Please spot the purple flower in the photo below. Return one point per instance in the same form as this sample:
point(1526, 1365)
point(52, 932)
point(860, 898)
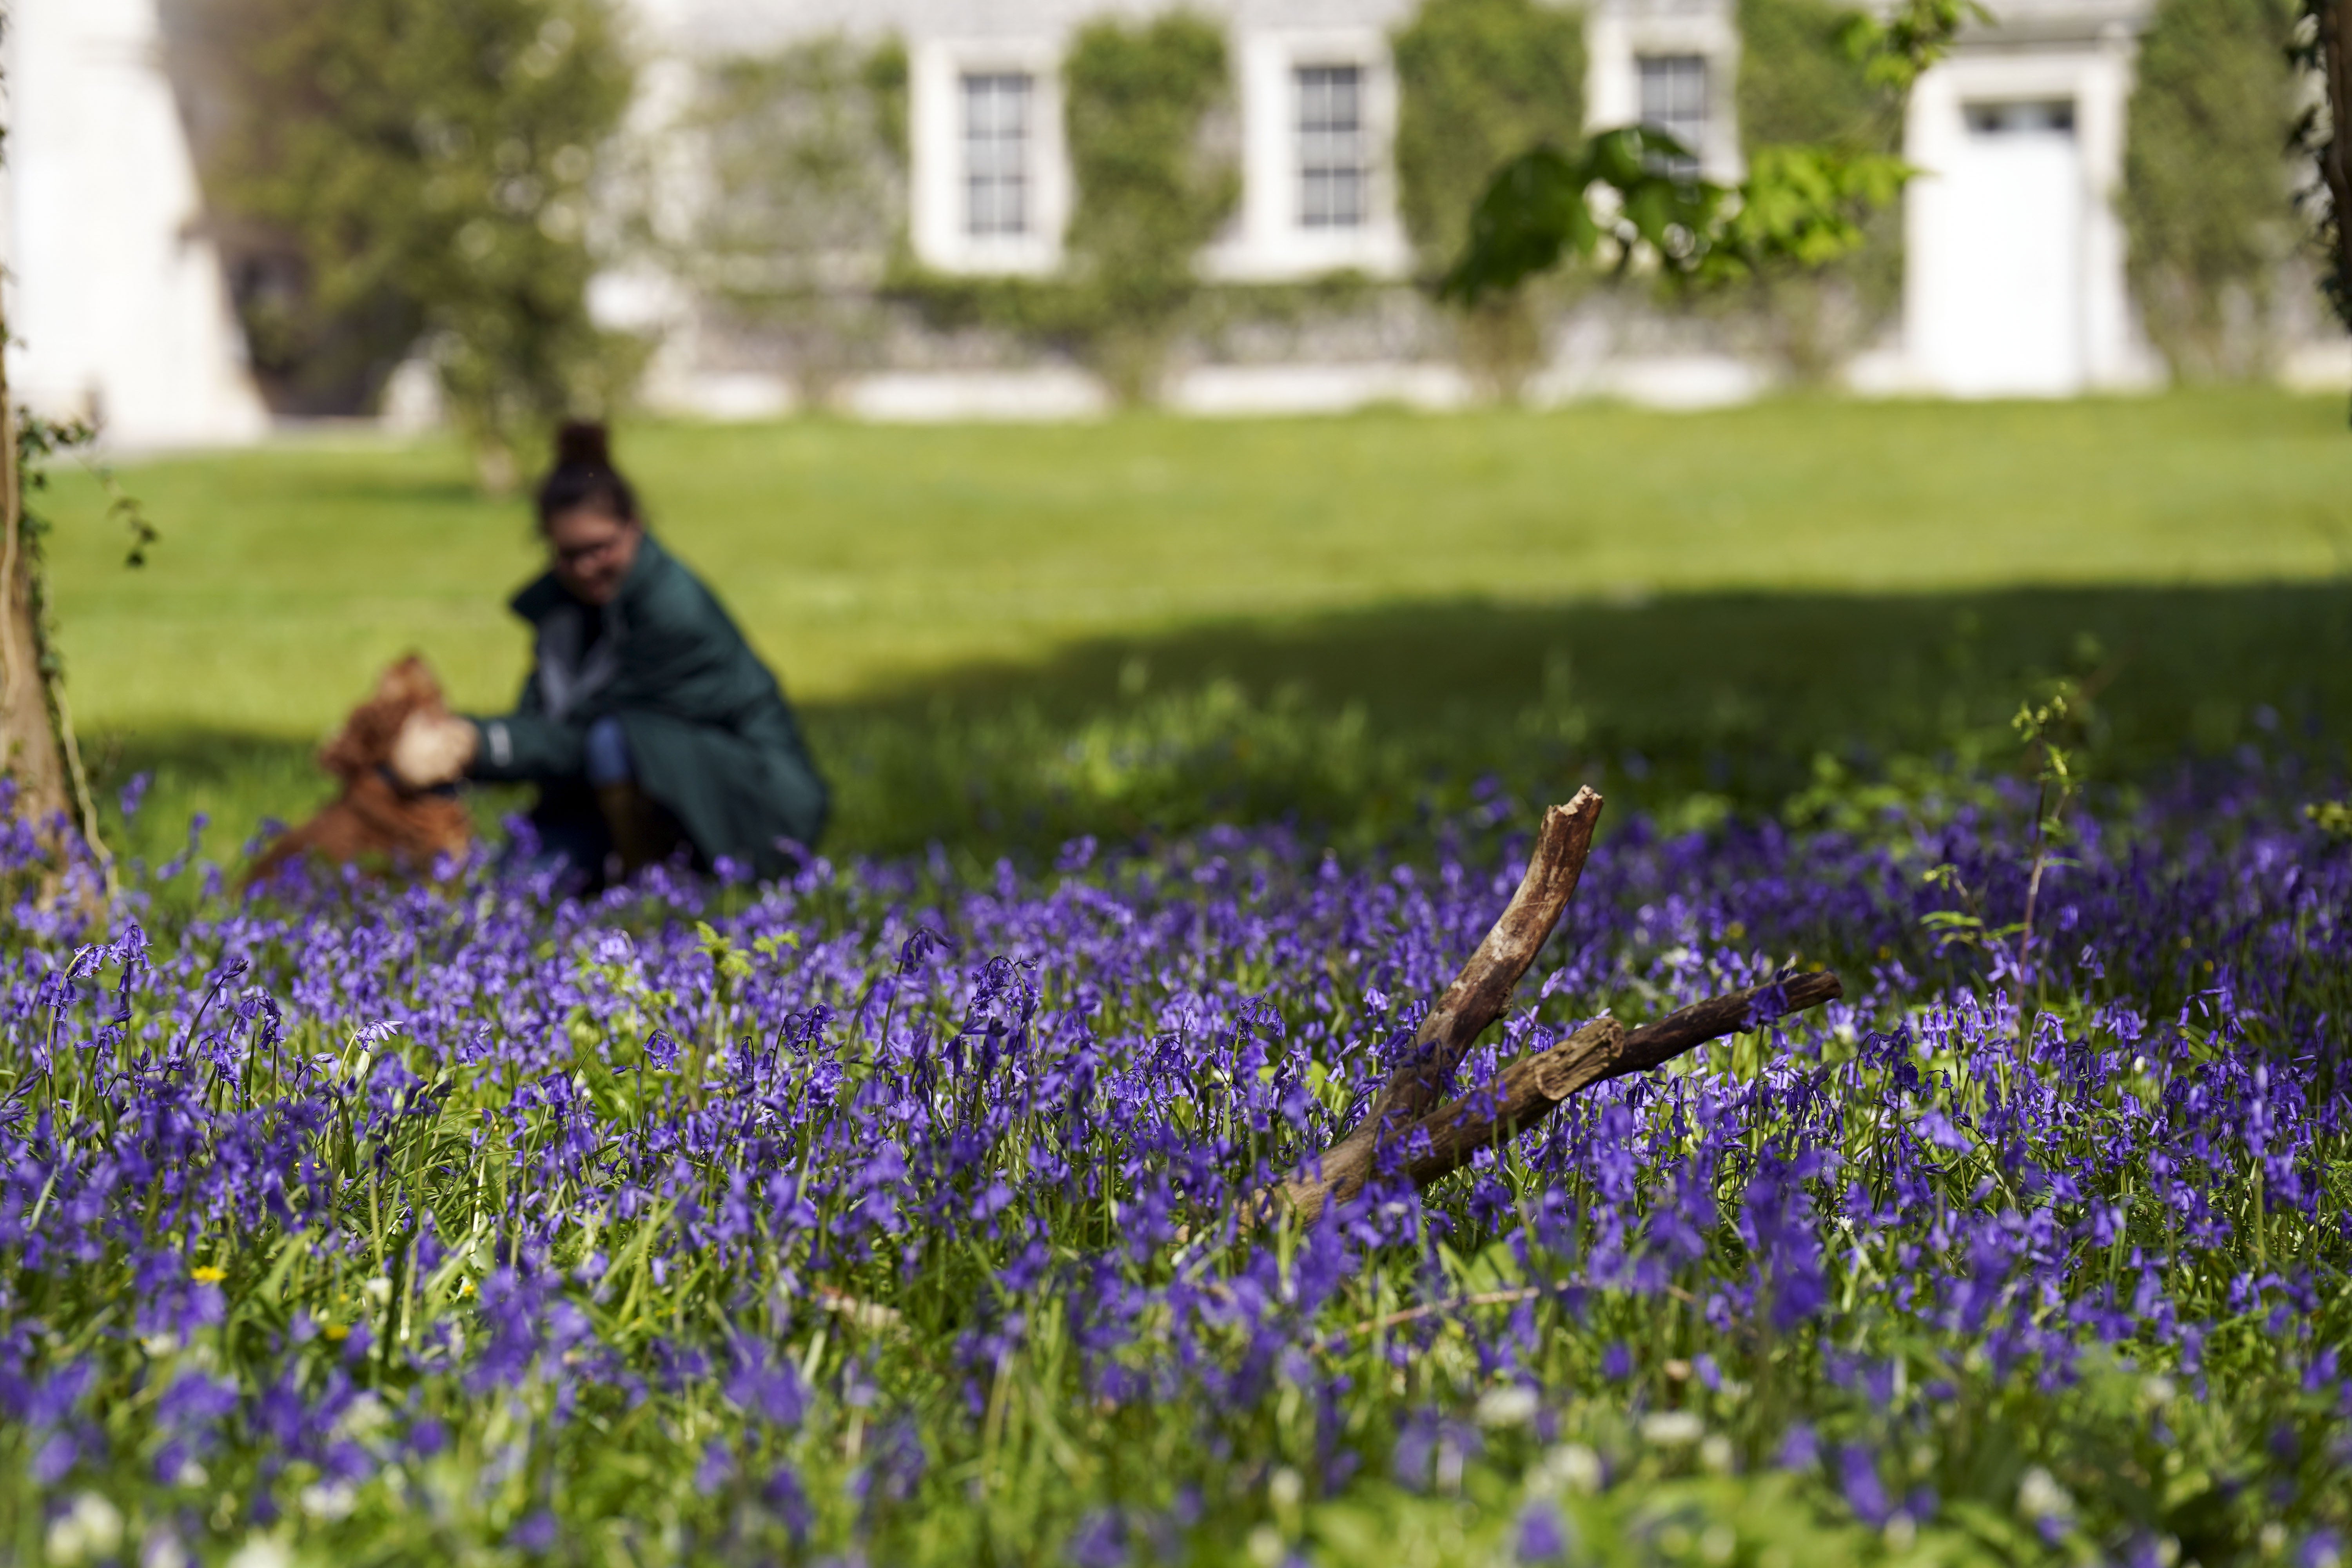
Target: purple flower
point(1543, 1532)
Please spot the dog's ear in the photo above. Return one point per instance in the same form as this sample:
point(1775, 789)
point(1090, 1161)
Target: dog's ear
point(410, 683)
point(364, 742)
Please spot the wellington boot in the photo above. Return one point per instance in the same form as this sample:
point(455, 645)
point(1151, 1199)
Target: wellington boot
point(642, 831)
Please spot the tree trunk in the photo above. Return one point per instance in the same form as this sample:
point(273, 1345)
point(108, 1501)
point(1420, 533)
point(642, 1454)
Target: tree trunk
point(2333, 18)
point(29, 749)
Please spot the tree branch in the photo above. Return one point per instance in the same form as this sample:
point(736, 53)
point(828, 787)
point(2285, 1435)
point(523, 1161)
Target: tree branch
point(1437, 1139)
point(1535, 1085)
point(1475, 999)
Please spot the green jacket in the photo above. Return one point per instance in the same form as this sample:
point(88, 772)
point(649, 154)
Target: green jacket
point(709, 732)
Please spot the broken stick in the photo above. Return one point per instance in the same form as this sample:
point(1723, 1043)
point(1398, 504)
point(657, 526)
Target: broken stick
point(1438, 1140)
point(1475, 999)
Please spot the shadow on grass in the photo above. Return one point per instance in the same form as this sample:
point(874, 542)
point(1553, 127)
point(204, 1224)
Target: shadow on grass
point(1359, 726)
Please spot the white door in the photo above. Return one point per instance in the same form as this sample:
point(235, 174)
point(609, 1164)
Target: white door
point(2006, 318)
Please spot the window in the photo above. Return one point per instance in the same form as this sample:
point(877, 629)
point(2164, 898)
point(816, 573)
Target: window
point(1674, 100)
point(996, 108)
point(2021, 119)
point(1332, 176)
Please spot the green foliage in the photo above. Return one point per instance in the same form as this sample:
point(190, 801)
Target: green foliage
point(1480, 80)
point(1800, 83)
point(807, 163)
point(1147, 111)
point(2205, 180)
point(1802, 86)
point(421, 174)
point(1153, 155)
point(1897, 48)
point(1802, 206)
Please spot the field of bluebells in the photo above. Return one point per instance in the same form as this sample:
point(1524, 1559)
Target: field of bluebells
point(888, 1215)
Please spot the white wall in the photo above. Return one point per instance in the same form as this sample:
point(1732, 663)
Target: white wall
point(115, 289)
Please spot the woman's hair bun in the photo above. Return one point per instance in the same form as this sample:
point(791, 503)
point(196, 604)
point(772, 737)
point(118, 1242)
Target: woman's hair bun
point(582, 444)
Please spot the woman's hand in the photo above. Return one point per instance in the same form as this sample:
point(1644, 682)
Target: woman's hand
point(433, 750)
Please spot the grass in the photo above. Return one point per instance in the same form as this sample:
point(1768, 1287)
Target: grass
point(1007, 634)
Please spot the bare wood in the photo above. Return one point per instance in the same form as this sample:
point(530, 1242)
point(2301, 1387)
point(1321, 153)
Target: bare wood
point(1475, 999)
point(1695, 1025)
point(1522, 1094)
point(1531, 1088)
point(1536, 1084)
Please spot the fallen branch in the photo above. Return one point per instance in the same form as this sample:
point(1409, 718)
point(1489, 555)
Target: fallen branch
point(1531, 1088)
point(1475, 999)
point(1655, 1043)
point(1522, 1094)
point(1436, 1139)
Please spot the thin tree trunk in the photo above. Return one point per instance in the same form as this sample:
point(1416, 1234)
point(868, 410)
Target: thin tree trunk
point(2335, 22)
point(29, 749)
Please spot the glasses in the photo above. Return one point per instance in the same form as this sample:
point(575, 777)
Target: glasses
point(579, 555)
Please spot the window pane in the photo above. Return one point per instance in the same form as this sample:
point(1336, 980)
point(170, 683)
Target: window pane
point(1674, 100)
point(996, 108)
point(1333, 179)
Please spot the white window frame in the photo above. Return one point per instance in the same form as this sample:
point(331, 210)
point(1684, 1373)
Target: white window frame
point(939, 226)
point(1616, 44)
point(1268, 238)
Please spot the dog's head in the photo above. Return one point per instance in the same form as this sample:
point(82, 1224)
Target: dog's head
point(364, 742)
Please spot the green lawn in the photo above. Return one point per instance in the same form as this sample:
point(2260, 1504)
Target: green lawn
point(1008, 633)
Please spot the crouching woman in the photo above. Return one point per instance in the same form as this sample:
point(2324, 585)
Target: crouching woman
point(647, 721)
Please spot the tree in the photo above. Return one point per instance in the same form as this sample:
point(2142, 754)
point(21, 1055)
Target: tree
point(30, 750)
point(2204, 172)
point(422, 174)
point(2324, 45)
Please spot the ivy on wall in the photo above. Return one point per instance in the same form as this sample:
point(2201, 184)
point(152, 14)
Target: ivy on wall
point(805, 155)
point(1153, 146)
point(1153, 151)
point(1480, 80)
point(2205, 180)
point(1801, 85)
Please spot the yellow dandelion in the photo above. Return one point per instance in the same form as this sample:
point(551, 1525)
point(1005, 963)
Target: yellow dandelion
point(338, 1332)
point(209, 1275)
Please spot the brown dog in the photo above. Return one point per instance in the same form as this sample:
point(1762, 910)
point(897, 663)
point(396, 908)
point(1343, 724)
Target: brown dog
point(375, 819)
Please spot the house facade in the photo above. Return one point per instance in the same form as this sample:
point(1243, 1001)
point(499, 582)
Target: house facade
point(2013, 279)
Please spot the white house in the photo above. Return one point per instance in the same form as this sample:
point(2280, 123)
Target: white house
point(2014, 277)
point(114, 293)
